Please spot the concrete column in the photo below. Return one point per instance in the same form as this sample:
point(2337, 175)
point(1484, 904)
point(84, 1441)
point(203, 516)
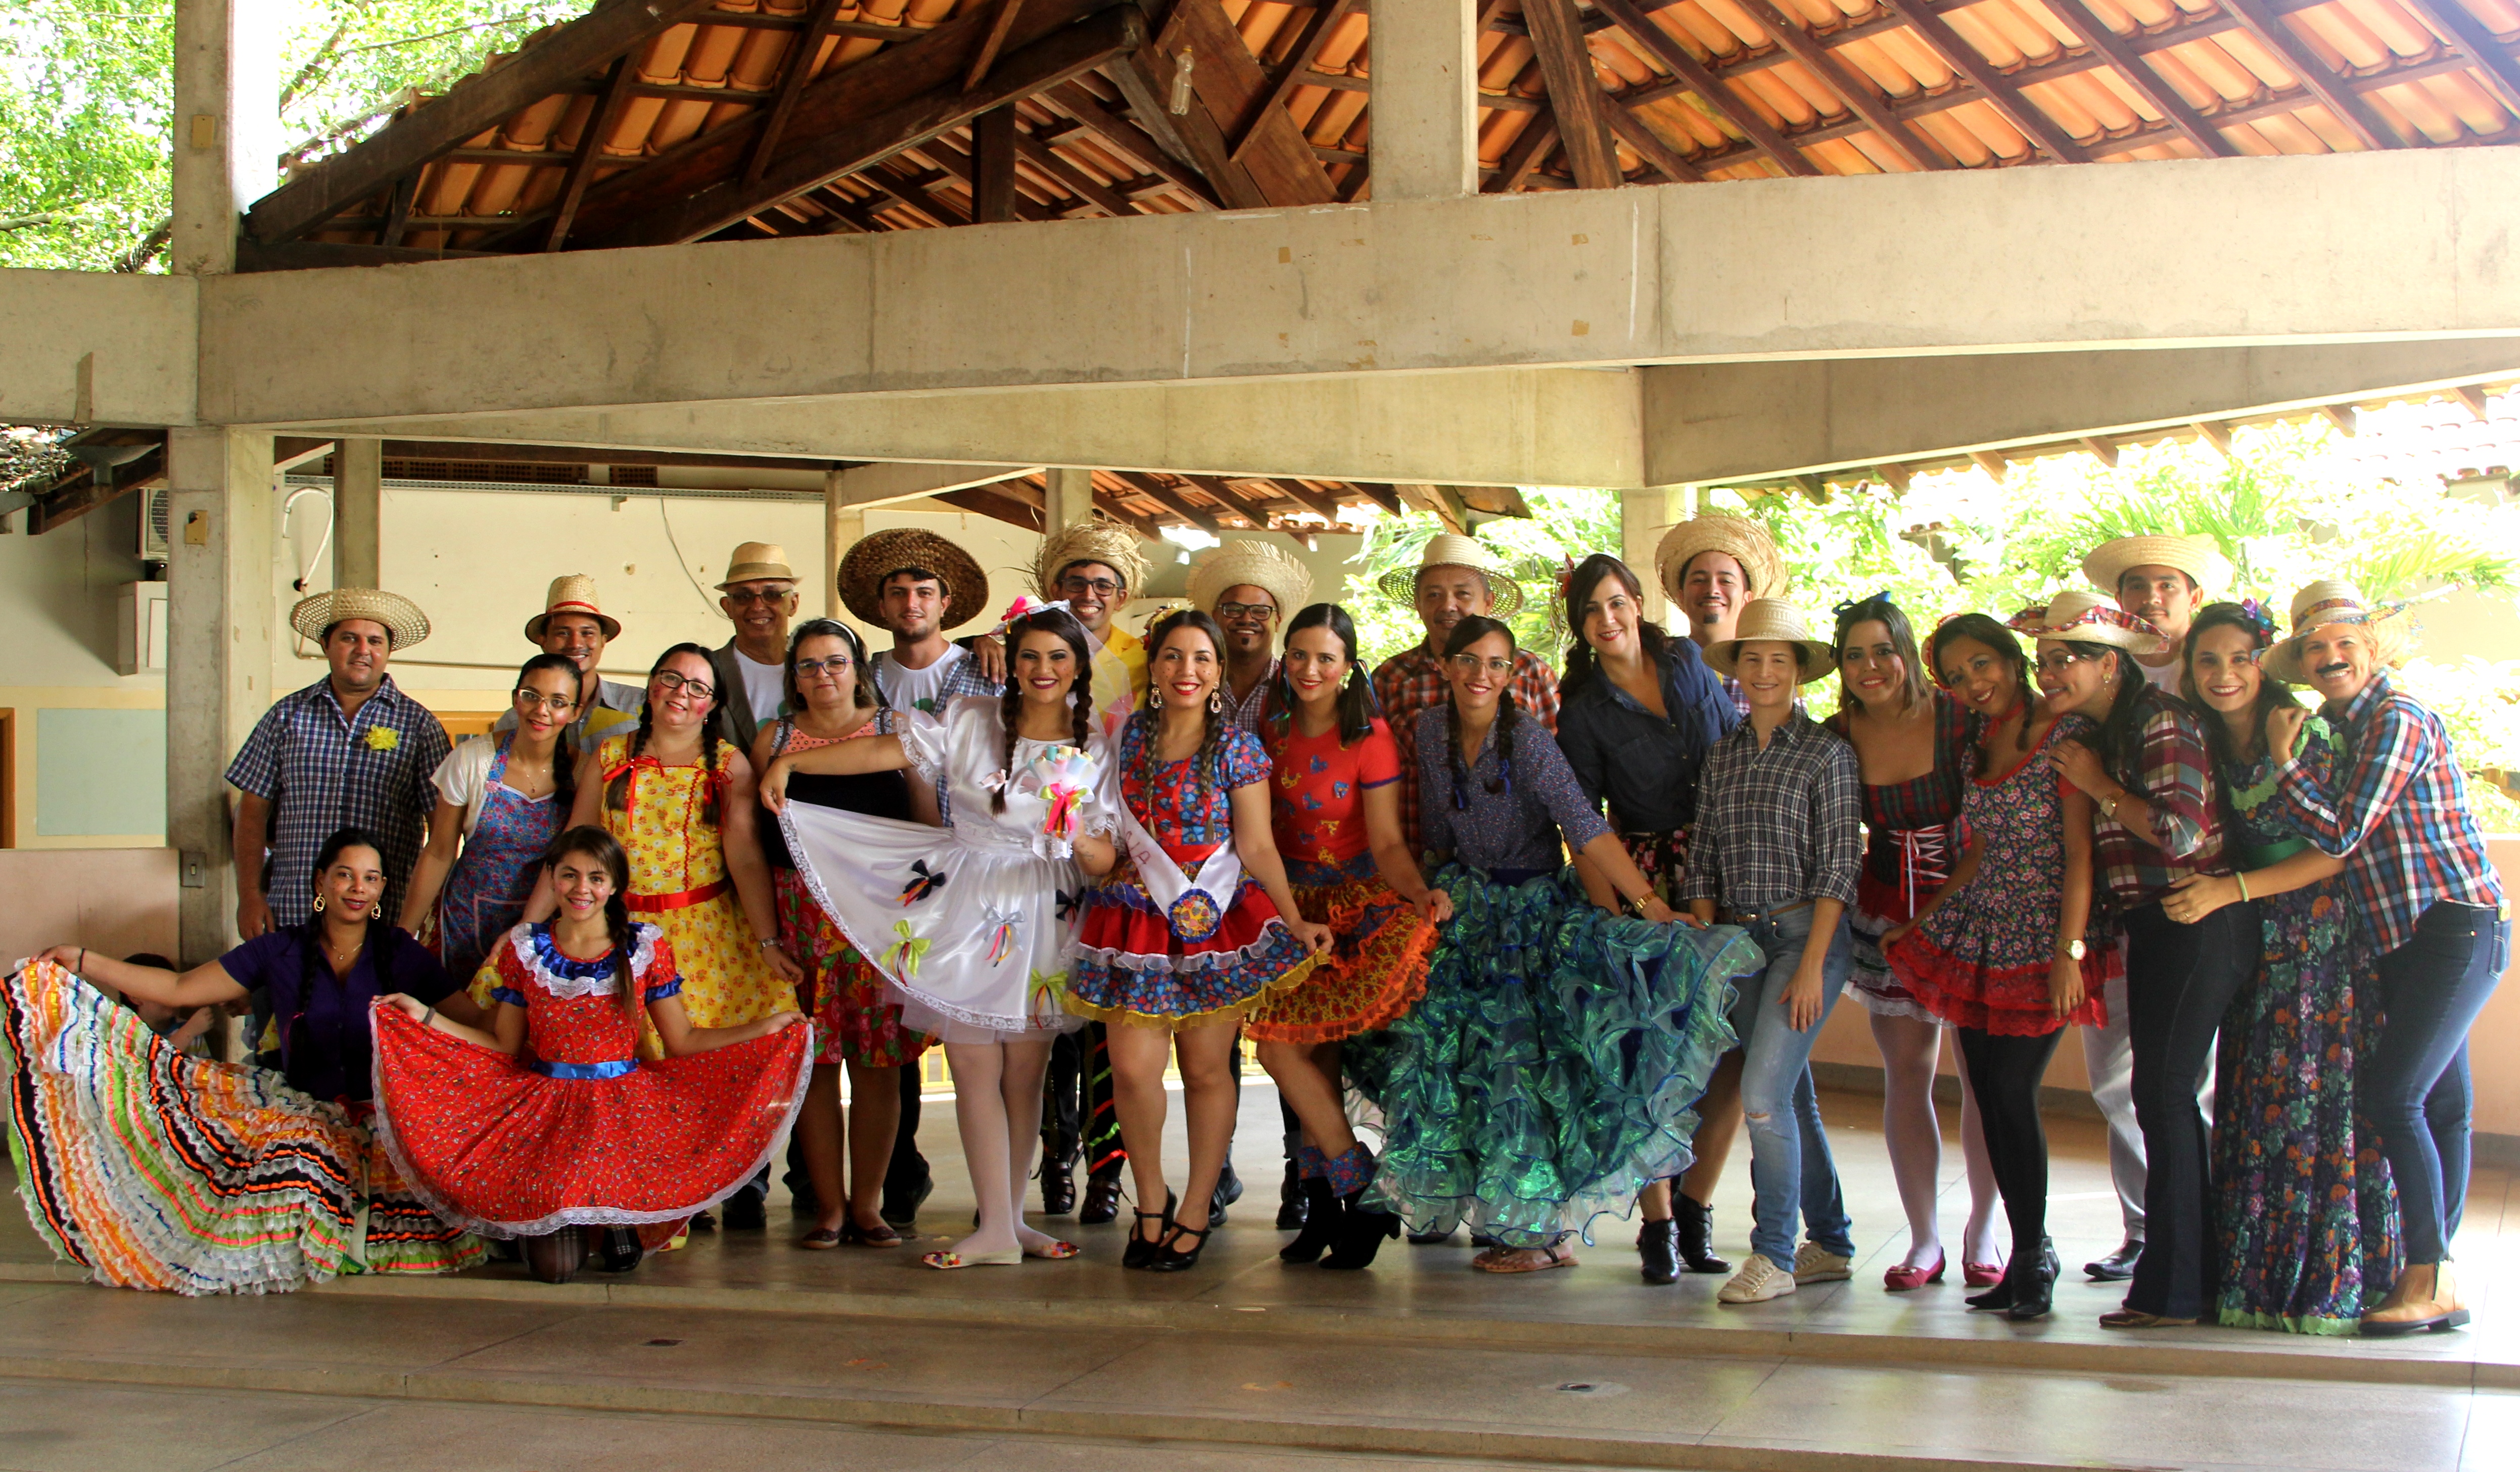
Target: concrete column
point(358, 513)
point(224, 634)
point(1425, 99)
point(227, 126)
point(842, 525)
point(1067, 498)
point(1645, 514)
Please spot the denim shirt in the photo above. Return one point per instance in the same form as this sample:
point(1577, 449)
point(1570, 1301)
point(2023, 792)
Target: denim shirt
point(1645, 765)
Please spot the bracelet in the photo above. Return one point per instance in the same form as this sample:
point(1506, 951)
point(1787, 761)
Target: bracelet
point(2242, 881)
point(767, 943)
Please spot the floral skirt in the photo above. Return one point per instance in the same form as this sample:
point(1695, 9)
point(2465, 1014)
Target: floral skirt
point(1374, 971)
point(1553, 1067)
point(153, 1169)
point(1132, 970)
point(855, 1021)
point(1962, 966)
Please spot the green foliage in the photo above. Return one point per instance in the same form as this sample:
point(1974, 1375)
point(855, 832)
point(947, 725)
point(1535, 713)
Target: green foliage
point(1563, 526)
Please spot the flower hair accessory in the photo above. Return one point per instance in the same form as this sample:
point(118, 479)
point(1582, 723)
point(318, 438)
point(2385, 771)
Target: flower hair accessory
point(1847, 605)
point(1026, 606)
point(2261, 620)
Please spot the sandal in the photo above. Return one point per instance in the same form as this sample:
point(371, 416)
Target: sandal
point(1519, 1258)
point(1141, 1253)
point(881, 1234)
point(821, 1239)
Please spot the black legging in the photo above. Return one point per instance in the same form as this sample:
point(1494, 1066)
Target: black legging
point(2006, 1071)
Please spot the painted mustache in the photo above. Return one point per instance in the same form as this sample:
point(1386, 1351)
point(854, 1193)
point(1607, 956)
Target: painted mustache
point(2338, 668)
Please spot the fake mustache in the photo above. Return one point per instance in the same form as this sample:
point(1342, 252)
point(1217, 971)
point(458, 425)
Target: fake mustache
point(2338, 668)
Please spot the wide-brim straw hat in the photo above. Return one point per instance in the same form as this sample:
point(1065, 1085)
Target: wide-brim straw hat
point(403, 622)
point(1452, 549)
point(2196, 557)
point(878, 557)
point(1114, 545)
point(1740, 538)
point(2334, 600)
point(1287, 582)
point(755, 562)
point(1773, 619)
point(572, 593)
point(2082, 618)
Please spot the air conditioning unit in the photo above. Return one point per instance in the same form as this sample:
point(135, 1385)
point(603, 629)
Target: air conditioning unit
point(152, 525)
point(140, 626)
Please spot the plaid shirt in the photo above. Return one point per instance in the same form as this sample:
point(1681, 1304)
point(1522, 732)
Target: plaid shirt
point(1779, 824)
point(1408, 683)
point(322, 773)
point(2402, 818)
point(963, 678)
point(2177, 781)
point(1253, 708)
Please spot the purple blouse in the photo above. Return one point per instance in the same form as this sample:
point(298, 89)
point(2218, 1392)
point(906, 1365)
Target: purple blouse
point(323, 1019)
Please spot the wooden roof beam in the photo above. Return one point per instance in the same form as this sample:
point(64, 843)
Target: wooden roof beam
point(1170, 499)
point(2219, 436)
point(1001, 22)
point(1130, 141)
point(1683, 64)
point(1965, 59)
point(1039, 154)
point(1915, 148)
point(2087, 26)
point(1380, 492)
point(1226, 82)
point(792, 77)
point(1992, 464)
point(590, 152)
point(2473, 396)
point(2102, 448)
point(1289, 75)
point(1319, 503)
point(1658, 155)
point(2344, 102)
point(2458, 26)
point(1522, 155)
point(1574, 96)
point(1231, 499)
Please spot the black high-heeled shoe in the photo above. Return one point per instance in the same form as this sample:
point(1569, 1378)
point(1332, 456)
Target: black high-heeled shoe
point(1323, 1215)
point(1998, 1299)
point(1169, 1258)
point(1697, 1233)
point(1658, 1251)
point(1362, 1234)
point(1141, 1253)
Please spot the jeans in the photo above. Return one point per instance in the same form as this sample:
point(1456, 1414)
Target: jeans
point(2180, 981)
point(1792, 1171)
point(2004, 1072)
point(2415, 1088)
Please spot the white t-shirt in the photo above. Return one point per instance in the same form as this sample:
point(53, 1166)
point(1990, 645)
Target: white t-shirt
point(2163, 677)
point(765, 687)
point(906, 689)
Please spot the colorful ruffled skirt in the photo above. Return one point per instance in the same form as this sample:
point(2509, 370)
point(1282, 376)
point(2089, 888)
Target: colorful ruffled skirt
point(1374, 971)
point(1553, 1067)
point(1132, 969)
point(1980, 961)
point(153, 1169)
point(855, 1019)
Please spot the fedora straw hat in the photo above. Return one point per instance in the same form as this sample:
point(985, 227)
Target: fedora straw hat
point(1287, 582)
point(757, 562)
point(2196, 557)
point(404, 624)
point(1106, 542)
point(1773, 618)
point(2090, 618)
point(573, 593)
point(1740, 538)
point(2335, 600)
point(1452, 549)
point(878, 557)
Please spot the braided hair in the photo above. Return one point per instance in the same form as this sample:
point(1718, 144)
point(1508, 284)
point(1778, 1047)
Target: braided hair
point(1980, 628)
point(1080, 695)
point(1588, 574)
point(592, 842)
point(1211, 746)
point(616, 792)
point(1468, 632)
point(1356, 694)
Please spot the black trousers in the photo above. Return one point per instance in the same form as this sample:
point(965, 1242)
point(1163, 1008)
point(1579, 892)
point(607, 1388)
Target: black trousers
point(2180, 981)
point(908, 1168)
point(2005, 1072)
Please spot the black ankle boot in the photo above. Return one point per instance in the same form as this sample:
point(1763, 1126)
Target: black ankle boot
point(1292, 1200)
point(2033, 1295)
point(1696, 1242)
point(618, 1248)
point(1362, 1233)
point(1658, 1246)
point(1324, 1215)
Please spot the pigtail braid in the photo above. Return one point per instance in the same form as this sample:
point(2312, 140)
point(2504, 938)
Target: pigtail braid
point(616, 792)
point(1508, 716)
point(1010, 711)
point(616, 922)
point(1453, 741)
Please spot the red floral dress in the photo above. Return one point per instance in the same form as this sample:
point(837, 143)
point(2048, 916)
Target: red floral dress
point(576, 1130)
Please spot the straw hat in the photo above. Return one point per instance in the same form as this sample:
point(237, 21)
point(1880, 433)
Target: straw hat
point(1287, 582)
point(1740, 538)
point(2090, 618)
point(757, 562)
point(1773, 618)
point(1114, 545)
point(2196, 557)
point(572, 593)
point(404, 624)
point(2334, 600)
point(878, 557)
point(1448, 550)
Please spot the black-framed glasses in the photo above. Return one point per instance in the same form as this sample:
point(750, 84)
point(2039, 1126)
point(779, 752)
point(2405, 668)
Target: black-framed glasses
point(1237, 612)
point(700, 690)
point(1102, 588)
point(838, 664)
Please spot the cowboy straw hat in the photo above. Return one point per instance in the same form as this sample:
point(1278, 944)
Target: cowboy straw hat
point(1114, 545)
point(757, 562)
point(2335, 600)
point(1740, 538)
point(572, 593)
point(1774, 619)
point(404, 624)
point(2083, 618)
point(1287, 582)
point(878, 557)
point(2196, 557)
point(1451, 550)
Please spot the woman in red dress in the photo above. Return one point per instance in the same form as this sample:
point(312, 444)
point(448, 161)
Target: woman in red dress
point(548, 1122)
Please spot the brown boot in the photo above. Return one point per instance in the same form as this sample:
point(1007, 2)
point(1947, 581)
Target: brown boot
point(2426, 1297)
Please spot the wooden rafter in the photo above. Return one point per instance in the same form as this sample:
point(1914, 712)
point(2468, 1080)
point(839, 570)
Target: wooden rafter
point(1380, 492)
point(2457, 23)
point(1660, 156)
point(1145, 80)
point(1231, 499)
point(1225, 81)
point(993, 164)
point(1574, 96)
point(792, 77)
point(2095, 33)
point(590, 150)
point(399, 209)
point(1735, 107)
point(1131, 142)
point(2343, 102)
point(1529, 148)
point(1290, 73)
point(1040, 155)
point(1171, 500)
point(1918, 151)
point(1938, 37)
point(995, 41)
point(1319, 503)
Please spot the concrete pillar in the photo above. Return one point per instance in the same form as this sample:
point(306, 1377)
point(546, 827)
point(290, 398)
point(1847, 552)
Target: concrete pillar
point(842, 525)
point(227, 126)
point(1425, 99)
point(1645, 514)
point(358, 513)
point(224, 636)
point(1067, 498)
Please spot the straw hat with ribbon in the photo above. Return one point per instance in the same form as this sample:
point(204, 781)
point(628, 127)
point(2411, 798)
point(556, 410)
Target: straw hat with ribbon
point(878, 557)
point(403, 622)
point(1287, 582)
point(572, 593)
point(2334, 600)
point(1773, 618)
point(1114, 545)
point(756, 562)
point(1740, 538)
point(2082, 618)
point(2196, 557)
point(1451, 550)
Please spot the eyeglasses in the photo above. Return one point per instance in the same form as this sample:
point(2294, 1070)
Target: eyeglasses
point(838, 664)
point(559, 705)
point(698, 690)
point(1471, 664)
point(2060, 662)
point(1102, 588)
point(744, 597)
point(1237, 612)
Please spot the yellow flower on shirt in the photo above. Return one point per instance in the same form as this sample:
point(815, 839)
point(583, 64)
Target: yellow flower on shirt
point(384, 738)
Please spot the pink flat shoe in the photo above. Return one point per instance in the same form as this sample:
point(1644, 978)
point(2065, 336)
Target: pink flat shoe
point(1906, 1280)
point(1981, 1274)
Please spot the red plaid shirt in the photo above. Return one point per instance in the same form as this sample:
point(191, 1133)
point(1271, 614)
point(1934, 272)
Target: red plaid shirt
point(2178, 785)
point(1409, 683)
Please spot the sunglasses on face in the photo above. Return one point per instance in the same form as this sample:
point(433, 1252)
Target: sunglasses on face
point(744, 597)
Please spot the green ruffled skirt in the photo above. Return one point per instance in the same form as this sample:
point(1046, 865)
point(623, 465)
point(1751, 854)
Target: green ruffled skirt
point(1554, 1068)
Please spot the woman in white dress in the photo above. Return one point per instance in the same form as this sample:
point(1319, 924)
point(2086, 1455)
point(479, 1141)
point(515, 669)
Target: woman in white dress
point(971, 927)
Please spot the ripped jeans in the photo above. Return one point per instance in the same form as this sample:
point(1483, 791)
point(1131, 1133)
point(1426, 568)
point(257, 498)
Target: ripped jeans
point(1791, 1173)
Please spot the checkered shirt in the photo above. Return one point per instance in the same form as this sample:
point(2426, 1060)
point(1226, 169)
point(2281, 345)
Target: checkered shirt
point(1412, 682)
point(1253, 708)
point(2178, 782)
point(1779, 825)
point(322, 773)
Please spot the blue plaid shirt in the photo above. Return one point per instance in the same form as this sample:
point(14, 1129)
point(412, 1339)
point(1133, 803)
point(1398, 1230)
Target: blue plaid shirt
point(321, 773)
point(963, 678)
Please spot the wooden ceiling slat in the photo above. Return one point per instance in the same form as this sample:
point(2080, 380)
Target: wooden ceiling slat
point(1227, 81)
point(1524, 154)
point(1290, 73)
point(1958, 54)
point(1131, 142)
point(1574, 96)
point(1000, 22)
point(2347, 105)
point(1171, 500)
point(1918, 151)
point(1650, 147)
point(1716, 94)
point(1326, 506)
point(1231, 499)
point(793, 73)
point(590, 148)
point(1041, 157)
point(2137, 74)
point(2459, 25)
point(1145, 80)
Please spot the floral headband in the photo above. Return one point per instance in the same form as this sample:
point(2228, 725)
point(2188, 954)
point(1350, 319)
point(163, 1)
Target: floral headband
point(1026, 607)
point(2260, 620)
point(2033, 622)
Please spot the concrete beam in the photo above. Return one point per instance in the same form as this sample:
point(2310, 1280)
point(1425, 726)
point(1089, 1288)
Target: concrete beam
point(1751, 420)
point(358, 511)
point(98, 347)
point(1425, 99)
point(868, 485)
point(2345, 248)
point(226, 125)
point(1067, 498)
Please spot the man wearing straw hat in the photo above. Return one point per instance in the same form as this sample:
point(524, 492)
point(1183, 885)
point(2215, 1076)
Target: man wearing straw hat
point(573, 626)
point(1455, 578)
point(2396, 811)
point(1251, 589)
point(918, 584)
point(1713, 565)
point(759, 595)
point(1095, 568)
point(351, 750)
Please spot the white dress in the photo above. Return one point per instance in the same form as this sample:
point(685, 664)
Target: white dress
point(971, 925)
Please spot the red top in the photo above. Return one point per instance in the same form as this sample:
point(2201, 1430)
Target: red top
point(574, 1015)
point(1318, 798)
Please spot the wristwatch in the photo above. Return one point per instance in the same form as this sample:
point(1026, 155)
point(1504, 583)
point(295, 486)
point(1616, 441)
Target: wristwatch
point(2075, 950)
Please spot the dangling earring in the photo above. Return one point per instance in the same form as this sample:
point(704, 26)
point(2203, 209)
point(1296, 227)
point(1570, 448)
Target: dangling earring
point(1154, 697)
point(319, 903)
point(1216, 699)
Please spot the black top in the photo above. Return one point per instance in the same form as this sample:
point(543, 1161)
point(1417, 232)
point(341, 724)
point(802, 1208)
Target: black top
point(877, 794)
point(1645, 765)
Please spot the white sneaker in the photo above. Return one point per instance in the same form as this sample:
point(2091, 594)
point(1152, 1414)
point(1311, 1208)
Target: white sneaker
point(1758, 1282)
point(1814, 1264)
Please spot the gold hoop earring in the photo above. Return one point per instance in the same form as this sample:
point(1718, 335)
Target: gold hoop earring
point(319, 903)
